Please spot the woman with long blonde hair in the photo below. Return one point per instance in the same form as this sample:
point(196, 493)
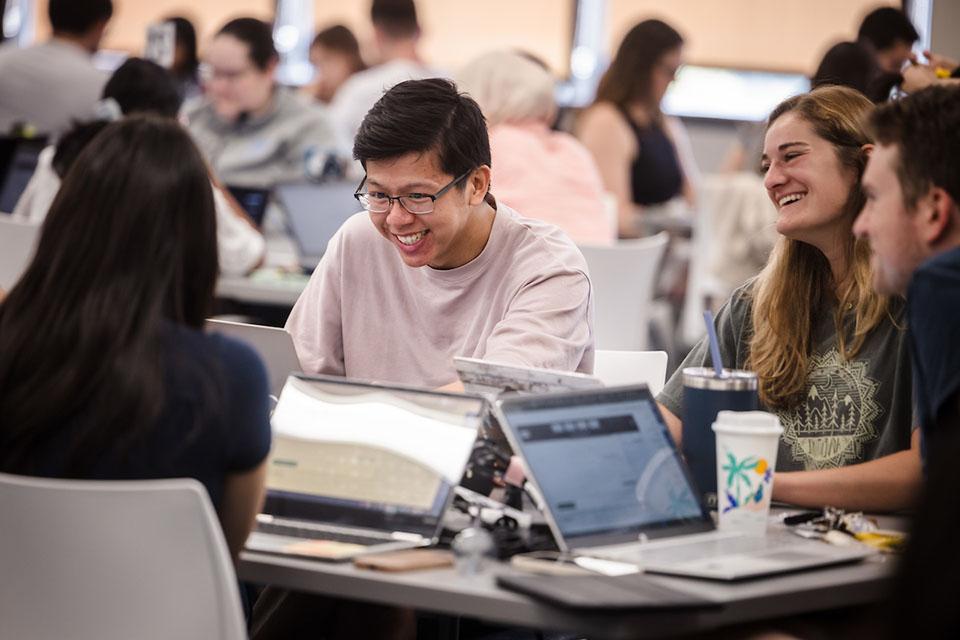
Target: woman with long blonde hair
point(830, 353)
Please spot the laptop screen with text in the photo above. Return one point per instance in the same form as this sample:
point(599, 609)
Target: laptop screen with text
point(604, 462)
point(366, 455)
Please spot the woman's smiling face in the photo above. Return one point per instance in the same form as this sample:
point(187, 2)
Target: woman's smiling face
point(806, 181)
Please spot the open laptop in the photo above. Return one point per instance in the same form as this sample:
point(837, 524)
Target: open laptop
point(272, 344)
point(253, 200)
point(493, 378)
point(18, 161)
point(614, 486)
point(314, 212)
point(362, 468)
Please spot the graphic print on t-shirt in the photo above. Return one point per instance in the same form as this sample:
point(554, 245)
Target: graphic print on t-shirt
point(838, 416)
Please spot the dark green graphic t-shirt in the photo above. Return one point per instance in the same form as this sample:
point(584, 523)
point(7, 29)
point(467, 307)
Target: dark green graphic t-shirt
point(852, 411)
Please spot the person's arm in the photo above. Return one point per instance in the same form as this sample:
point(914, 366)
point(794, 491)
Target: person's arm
point(240, 246)
point(674, 425)
point(889, 483)
point(546, 324)
point(315, 323)
point(603, 131)
point(242, 500)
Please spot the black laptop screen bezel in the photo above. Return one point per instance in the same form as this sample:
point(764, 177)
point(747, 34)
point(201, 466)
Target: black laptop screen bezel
point(634, 394)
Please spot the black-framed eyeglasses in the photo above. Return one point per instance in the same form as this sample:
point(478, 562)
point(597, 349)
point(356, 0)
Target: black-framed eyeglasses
point(416, 203)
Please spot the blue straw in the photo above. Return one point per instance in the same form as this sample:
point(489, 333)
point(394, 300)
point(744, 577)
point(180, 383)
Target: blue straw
point(714, 344)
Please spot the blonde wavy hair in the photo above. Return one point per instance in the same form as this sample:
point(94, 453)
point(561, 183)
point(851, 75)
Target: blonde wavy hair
point(797, 285)
point(510, 87)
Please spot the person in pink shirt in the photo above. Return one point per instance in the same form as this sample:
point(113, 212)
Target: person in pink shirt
point(548, 175)
point(436, 267)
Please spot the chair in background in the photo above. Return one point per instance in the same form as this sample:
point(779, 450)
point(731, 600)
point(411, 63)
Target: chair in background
point(17, 242)
point(623, 277)
point(112, 560)
point(631, 367)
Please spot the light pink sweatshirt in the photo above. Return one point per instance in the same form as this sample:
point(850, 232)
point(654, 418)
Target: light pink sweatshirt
point(526, 299)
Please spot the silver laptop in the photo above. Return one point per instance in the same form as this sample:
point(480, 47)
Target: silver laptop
point(314, 212)
point(614, 486)
point(272, 344)
point(493, 378)
point(361, 468)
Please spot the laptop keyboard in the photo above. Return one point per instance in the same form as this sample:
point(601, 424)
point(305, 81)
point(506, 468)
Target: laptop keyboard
point(313, 534)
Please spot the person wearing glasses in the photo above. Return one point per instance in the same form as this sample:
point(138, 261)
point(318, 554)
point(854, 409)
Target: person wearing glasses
point(253, 132)
point(436, 267)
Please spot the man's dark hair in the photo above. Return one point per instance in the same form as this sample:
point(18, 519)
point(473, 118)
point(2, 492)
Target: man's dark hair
point(396, 18)
point(883, 27)
point(925, 127)
point(76, 17)
point(257, 35)
point(141, 86)
point(419, 116)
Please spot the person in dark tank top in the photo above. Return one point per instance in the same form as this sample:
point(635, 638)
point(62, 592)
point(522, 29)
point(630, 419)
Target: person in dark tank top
point(627, 133)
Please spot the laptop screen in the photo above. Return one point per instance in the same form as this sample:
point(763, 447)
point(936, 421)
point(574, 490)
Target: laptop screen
point(314, 213)
point(364, 455)
point(605, 464)
point(22, 163)
point(254, 201)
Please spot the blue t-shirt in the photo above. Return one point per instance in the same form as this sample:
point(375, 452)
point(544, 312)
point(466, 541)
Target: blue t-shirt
point(933, 324)
point(215, 420)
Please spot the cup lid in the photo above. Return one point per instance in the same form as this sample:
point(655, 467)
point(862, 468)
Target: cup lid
point(748, 423)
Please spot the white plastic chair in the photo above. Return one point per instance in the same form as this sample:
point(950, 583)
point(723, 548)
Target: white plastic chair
point(17, 242)
point(631, 367)
point(113, 560)
point(623, 277)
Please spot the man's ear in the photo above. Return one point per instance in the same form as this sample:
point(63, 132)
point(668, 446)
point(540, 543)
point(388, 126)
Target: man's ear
point(867, 149)
point(480, 181)
point(938, 213)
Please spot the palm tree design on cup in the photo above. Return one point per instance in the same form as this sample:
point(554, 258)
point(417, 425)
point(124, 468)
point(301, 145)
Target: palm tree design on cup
point(740, 490)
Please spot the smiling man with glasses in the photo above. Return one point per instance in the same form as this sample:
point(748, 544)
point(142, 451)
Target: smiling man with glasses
point(444, 270)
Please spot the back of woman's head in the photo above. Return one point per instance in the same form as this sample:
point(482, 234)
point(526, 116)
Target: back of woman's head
point(129, 245)
point(628, 78)
point(141, 86)
point(847, 64)
point(797, 287)
point(257, 35)
point(509, 87)
point(338, 38)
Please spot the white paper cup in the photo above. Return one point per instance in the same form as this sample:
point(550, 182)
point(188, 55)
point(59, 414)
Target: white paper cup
point(747, 444)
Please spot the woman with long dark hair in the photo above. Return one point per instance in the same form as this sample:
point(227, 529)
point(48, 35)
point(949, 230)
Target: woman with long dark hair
point(637, 149)
point(105, 371)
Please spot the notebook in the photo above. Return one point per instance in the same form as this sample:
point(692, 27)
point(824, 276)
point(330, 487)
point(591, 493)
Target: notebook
point(614, 486)
point(273, 344)
point(362, 468)
point(314, 212)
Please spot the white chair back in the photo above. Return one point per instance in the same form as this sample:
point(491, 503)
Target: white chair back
point(17, 242)
point(631, 367)
point(623, 277)
point(112, 560)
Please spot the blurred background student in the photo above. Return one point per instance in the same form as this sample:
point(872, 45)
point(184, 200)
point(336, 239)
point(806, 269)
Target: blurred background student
point(138, 86)
point(122, 382)
point(543, 173)
point(335, 56)
point(642, 154)
point(186, 63)
point(253, 132)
